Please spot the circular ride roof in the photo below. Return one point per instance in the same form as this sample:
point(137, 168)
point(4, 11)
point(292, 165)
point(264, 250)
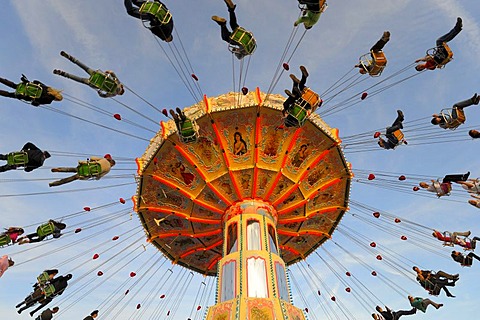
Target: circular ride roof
point(242, 152)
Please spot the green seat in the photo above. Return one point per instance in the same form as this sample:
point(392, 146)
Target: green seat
point(90, 169)
point(244, 39)
point(103, 81)
point(188, 132)
point(48, 290)
point(5, 240)
point(45, 229)
point(298, 113)
point(43, 278)
point(29, 89)
point(17, 158)
point(156, 9)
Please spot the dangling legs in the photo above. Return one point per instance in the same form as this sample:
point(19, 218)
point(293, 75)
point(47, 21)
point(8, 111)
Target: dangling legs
point(381, 43)
point(473, 255)
point(232, 16)
point(427, 302)
point(303, 80)
point(77, 62)
point(461, 234)
point(397, 124)
point(8, 83)
point(448, 275)
point(451, 34)
point(62, 169)
point(466, 103)
point(399, 313)
point(63, 181)
point(7, 94)
point(71, 76)
point(7, 167)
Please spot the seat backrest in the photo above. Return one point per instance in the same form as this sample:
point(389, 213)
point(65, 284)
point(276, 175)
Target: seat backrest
point(46, 229)
point(17, 158)
point(156, 9)
point(399, 135)
point(244, 39)
point(103, 81)
point(311, 97)
point(5, 239)
point(29, 89)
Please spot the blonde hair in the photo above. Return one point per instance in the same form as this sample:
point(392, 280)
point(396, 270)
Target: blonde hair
point(57, 94)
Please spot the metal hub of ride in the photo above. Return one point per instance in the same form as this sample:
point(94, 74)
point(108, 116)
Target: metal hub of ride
point(243, 152)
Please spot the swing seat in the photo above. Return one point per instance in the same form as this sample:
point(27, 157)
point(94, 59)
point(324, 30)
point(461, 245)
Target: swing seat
point(297, 114)
point(103, 81)
point(5, 240)
point(443, 189)
point(447, 239)
point(398, 135)
point(302, 5)
point(373, 63)
point(244, 40)
point(158, 10)
point(45, 229)
point(48, 290)
point(312, 98)
point(89, 170)
point(189, 131)
point(17, 158)
point(43, 278)
point(444, 53)
point(451, 122)
point(29, 89)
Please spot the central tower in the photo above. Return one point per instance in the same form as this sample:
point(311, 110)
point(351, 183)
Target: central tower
point(251, 275)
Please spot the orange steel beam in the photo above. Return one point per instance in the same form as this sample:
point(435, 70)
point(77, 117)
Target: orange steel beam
point(182, 215)
point(310, 215)
point(186, 194)
point(176, 234)
point(321, 188)
point(291, 250)
point(307, 232)
point(216, 244)
point(192, 162)
point(214, 262)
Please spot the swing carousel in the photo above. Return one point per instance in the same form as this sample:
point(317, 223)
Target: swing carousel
point(245, 200)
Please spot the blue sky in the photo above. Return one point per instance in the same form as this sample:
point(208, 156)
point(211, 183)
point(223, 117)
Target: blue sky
point(102, 35)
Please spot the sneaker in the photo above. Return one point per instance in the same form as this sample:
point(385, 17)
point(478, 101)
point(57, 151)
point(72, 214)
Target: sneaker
point(304, 71)
point(64, 54)
point(295, 79)
point(289, 93)
point(465, 176)
point(400, 114)
point(439, 305)
point(458, 25)
point(386, 36)
point(475, 99)
point(468, 235)
point(219, 20)
point(56, 71)
point(230, 4)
